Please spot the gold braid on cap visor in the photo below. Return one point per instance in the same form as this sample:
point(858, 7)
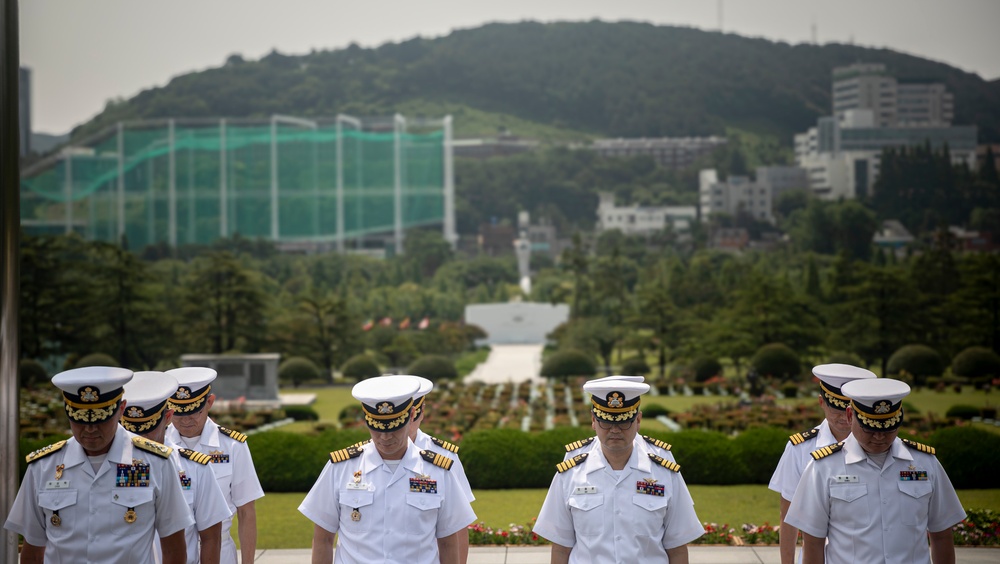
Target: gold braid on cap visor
point(418, 407)
point(614, 413)
point(134, 421)
point(881, 421)
point(91, 412)
point(188, 404)
point(389, 422)
point(833, 399)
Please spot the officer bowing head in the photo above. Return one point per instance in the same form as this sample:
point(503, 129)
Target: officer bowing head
point(387, 403)
point(877, 408)
point(147, 413)
point(93, 399)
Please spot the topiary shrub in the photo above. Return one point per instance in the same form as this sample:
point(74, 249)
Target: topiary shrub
point(707, 457)
point(920, 361)
point(979, 364)
point(301, 413)
point(433, 367)
point(360, 367)
point(568, 362)
point(653, 411)
point(761, 448)
point(790, 390)
point(969, 455)
point(705, 368)
point(964, 412)
point(97, 359)
point(296, 370)
point(635, 366)
point(777, 361)
point(31, 372)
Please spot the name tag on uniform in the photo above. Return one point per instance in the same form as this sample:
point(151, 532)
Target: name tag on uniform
point(845, 479)
point(357, 486)
point(585, 490)
point(56, 484)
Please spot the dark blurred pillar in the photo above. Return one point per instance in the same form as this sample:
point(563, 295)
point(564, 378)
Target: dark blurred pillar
point(10, 222)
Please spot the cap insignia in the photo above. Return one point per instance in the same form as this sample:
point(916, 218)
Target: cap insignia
point(385, 408)
point(136, 413)
point(183, 393)
point(882, 407)
point(89, 394)
point(615, 399)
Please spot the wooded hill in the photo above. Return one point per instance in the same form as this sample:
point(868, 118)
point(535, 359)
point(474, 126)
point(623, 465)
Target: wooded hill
point(558, 81)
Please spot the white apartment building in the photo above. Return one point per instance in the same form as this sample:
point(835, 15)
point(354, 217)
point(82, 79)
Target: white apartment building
point(669, 152)
point(868, 86)
point(740, 195)
point(642, 220)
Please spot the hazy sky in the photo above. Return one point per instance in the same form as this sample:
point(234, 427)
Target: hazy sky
point(84, 53)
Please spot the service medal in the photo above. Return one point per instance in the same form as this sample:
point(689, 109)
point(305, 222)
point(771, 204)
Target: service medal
point(355, 515)
point(56, 520)
point(130, 515)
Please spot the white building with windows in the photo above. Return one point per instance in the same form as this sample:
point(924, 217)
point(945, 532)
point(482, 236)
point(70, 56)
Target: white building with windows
point(740, 195)
point(642, 220)
point(869, 86)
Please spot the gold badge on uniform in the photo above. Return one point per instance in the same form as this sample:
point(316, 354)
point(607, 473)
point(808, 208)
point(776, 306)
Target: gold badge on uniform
point(355, 515)
point(357, 477)
point(59, 471)
point(130, 515)
point(56, 520)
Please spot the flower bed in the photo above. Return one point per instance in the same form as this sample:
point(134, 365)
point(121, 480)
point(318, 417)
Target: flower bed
point(981, 527)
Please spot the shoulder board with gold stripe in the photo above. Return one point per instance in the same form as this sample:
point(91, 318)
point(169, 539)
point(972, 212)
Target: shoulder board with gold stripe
point(345, 454)
point(919, 446)
point(799, 438)
point(578, 444)
point(235, 435)
point(437, 459)
point(152, 446)
point(195, 456)
point(360, 444)
point(673, 466)
point(567, 464)
point(445, 445)
point(44, 451)
point(657, 443)
point(827, 450)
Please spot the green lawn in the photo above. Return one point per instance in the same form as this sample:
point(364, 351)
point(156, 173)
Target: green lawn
point(280, 525)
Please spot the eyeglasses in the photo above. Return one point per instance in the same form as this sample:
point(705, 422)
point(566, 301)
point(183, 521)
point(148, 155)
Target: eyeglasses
point(607, 425)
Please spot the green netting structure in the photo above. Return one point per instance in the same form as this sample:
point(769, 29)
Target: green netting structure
point(286, 179)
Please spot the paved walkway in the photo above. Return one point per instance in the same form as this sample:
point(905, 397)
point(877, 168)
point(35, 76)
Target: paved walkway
point(509, 363)
point(697, 554)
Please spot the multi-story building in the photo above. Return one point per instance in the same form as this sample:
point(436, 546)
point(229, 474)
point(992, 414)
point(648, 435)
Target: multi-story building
point(842, 154)
point(642, 220)
point(868, 86)
point(669, 152)
point(740, 195)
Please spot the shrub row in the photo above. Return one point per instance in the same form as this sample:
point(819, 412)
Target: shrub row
point(508, 458)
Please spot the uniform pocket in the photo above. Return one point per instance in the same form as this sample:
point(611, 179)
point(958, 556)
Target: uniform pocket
point(421, 513)
point(649, 514)
point(63, 501)
point(586, 521)
point(139, 500)
point(360, 501)
point(915, 502)
point(849, 504)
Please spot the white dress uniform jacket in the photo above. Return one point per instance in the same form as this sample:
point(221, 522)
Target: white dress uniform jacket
point(426, 442)
point(92, 506)
point(392, 522)
point(203, 496)
point(871, 514)
point(604, 518)
point(234, 470)
point(795, 459)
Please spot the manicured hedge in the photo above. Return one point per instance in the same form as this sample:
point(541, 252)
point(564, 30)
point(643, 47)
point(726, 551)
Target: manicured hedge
point(970, 456)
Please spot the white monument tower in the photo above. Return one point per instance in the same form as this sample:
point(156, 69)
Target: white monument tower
point(522, 249)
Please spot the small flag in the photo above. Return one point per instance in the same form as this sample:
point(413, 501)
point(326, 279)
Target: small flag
point(386, 321)
point(404, 324)
point(424, 324)
point(368, 325)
